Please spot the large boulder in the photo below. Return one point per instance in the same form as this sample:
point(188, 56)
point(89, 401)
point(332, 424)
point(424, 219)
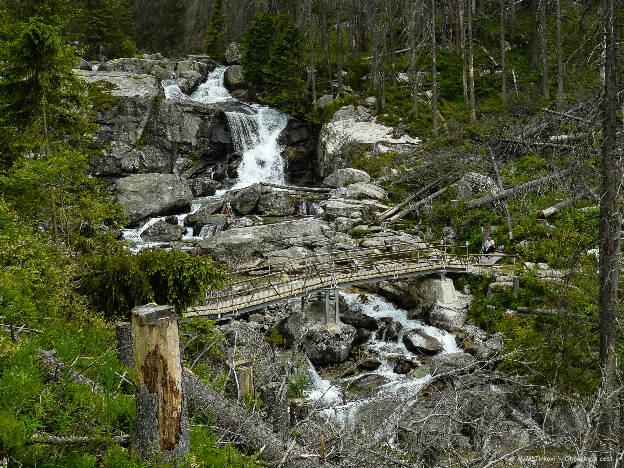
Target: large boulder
point(205, 212)
point(328, 344)
point(210, 225)
point(255, 244)
point(188, 128)
point(276, 204)
point(233, 53)
point(455, 363)
point(298, 152)
point(147, 195)
point(234, 78)
point(118, 159)
point(245, 201)
point(351, 130)
point(162, 231)
point(345, 176)
point(361, 191)
point(420, 342)
point(122, 104)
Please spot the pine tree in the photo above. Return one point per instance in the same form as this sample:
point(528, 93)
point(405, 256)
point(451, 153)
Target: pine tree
point(283, 73)
point(257, 44)
point(214, 40)
point(103, 27)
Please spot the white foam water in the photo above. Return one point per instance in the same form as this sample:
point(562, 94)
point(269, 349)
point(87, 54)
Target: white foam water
point(255, 129)
point(333, 400)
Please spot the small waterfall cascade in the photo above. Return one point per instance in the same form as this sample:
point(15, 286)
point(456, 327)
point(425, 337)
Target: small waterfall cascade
point(335, 403)
point(255, 129)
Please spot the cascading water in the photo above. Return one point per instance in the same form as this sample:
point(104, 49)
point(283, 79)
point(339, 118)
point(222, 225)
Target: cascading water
point(342, 408)
point(255, 129)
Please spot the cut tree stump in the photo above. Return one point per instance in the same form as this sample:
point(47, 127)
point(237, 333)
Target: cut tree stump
point(161, 416)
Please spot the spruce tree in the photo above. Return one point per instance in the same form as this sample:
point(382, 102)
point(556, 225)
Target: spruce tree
point(257, 44)
point(214, 40)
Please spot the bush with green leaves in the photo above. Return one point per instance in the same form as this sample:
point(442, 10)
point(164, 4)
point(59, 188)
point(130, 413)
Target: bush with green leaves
point(122, 280)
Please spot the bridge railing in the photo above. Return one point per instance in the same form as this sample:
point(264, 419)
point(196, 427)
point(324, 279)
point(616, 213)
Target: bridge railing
point(318, 270)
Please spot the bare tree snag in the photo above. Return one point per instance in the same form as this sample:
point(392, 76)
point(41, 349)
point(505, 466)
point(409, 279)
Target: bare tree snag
point(544, 50)
point(161, 416)
point(434, 71)
point(462, 40)
point(502, 46)
point(560, 92)
point(533, 7)
point(499, 182)
point(125, 351)
point(471, 97)
point(515, 190)
point(386, 214)
point(610, 237)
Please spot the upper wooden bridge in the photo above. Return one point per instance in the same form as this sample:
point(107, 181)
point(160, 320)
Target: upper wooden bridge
point(257, 288)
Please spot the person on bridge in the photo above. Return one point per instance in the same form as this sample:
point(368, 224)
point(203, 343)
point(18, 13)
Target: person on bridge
point(489, 246)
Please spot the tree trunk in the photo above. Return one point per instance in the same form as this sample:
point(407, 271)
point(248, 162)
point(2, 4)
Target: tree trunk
point(471, 106)
point(375, 51)
point(413, 61)
point(512, 21)
point(339, 46)
point(544, 50)
point(462, 40)
point(125, 350)
point(326, 47)
point(434, 71)
point(560, 92)
point(515, 190)
point(391, 30)
point(610, 233)
point(502, 46)
point(161, 418)
point(533, 34)
point(312, 64)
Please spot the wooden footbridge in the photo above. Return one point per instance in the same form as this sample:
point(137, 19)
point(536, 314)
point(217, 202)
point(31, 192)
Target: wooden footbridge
point(257, 288)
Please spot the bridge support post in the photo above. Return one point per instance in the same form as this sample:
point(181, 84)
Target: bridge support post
point(327, 306)
point(337, 305)
point(443, 275)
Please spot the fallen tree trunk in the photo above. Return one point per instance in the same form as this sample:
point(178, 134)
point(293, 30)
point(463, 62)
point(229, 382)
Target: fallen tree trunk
point(123, 440)
point(56, 367)
point(569, 116)
point(245, 428)
point(418, 204)
point(386, 214)
point(569, 137)
point(232, 417)
point(296, 188)
point(548, 212)
point(515, 190)
point(547, 144)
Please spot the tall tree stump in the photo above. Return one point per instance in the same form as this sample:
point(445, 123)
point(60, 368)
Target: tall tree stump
point(161, 415)
point(125, 351)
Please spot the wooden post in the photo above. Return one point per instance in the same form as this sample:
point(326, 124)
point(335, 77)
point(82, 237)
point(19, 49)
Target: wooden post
point(337, 305)
point(516, 285)
point(161, 417)
point(327, 306)
point(244, 375)
point(125, 351)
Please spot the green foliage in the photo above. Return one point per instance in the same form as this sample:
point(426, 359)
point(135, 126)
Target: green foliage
point(274, 337)
point(297, 384)
point(272, 60)
point(103, 27)
point(122, 280)
point(214, 40)
point(256, 45)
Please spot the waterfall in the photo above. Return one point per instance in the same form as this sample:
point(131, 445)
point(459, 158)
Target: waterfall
point(255, 129)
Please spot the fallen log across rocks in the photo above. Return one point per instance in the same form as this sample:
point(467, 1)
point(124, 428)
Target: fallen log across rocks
point(476, 203)
point(242, 427)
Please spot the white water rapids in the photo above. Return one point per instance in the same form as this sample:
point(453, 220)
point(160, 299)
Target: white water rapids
point(338, 405)
point(254, 128)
